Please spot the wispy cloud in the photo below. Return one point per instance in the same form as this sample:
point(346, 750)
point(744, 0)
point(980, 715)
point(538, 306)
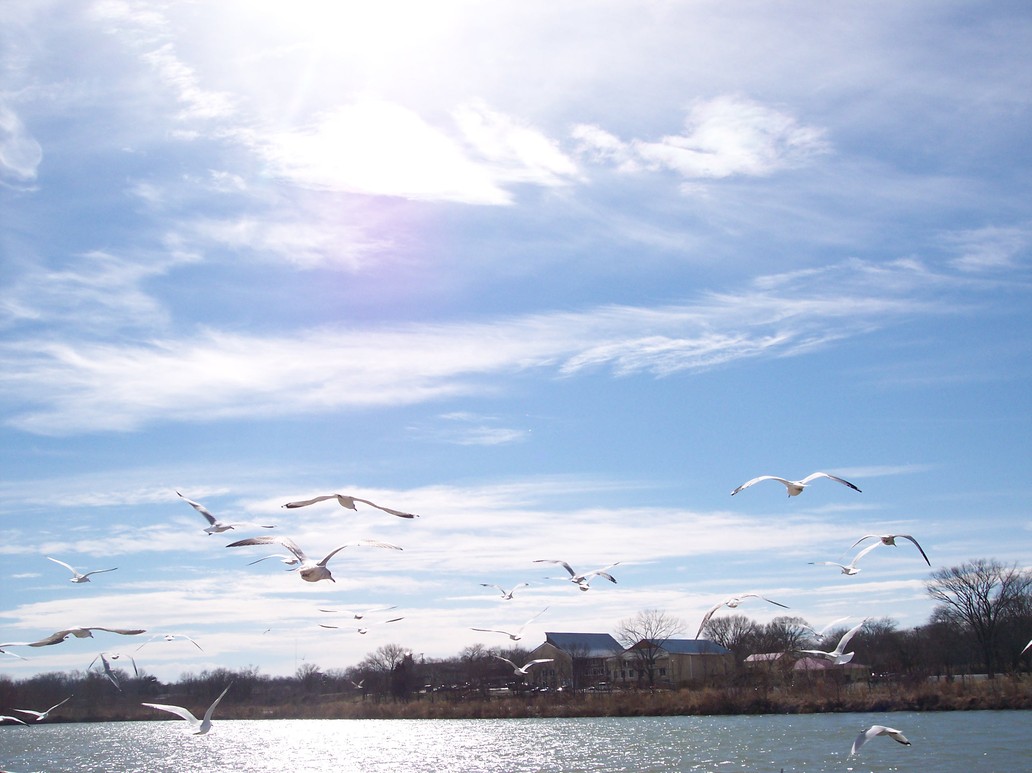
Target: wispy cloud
point(88, 386)
point(20, 153)
point(989, 248)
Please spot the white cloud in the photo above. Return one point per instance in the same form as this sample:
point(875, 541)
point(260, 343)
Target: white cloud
point(724, 137)
point(20, 153)
point(988, 248)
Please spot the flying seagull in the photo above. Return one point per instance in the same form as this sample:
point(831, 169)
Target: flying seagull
point(200, 726)
point(310, 570)
point(795, 487)
point(106, 665)
point(838, 656)
point(519, 632)
point(506, 594)
point(732, 603)
point(581, 580)
point(170, 637)
point(525, 668)
point(890, 539)
point(215, 526)
point(83, 633)
point(359, 615)
point(349, 503)
point(363, 629)
point(76, 577)
point(41, 715)
point(874, 730)
point(850, 568)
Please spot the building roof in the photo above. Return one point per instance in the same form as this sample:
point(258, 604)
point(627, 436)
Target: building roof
point(687, 646)
point(584, 645)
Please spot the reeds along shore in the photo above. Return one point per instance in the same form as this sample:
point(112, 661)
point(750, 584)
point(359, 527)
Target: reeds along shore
point(998, 694)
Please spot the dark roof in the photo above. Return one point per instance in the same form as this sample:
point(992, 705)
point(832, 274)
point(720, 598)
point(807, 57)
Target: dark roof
point(586, 645)
point(688, 646)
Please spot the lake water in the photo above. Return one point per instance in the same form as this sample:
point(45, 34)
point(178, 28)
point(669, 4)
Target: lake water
point(943, 742)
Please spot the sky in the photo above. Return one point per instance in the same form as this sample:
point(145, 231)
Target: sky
point(555, 277)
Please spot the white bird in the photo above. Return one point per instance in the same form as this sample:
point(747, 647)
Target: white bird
point(76, 577)
point(581, 580)
point(519, 632)
point(795, 487)
point(348, 502)
point(358, 615)
point(363, 629)
point(170, 637)
point(890, 539)
point(200, 726)
point(41, 715)
point(850, 568)
point(106, 665)
point(875, 730)
point(83, 633)
point(838, 656)
point(215, 526)
point(6, 718)
point(309, 569)
point(506, 594)
point(525, 669)
point(732, 603)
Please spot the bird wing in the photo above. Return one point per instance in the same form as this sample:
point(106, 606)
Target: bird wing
point(361, 543)
point(179, 711)
point(55, 638)
point(707, 616)
point(122, 631)
point(897, 736)
point(307, 502)
point(556, 561)
point(30, 712)
point(1027, 647)
point(864, 552)
point(286, 542)
point(62, 703)
point(99, 571)
point(815, 475)
point(490, 630)
point(757, 480)
point(862, 738)
point(771, 601)
point(201, 509)
point(866, 536)
point(506, 660)
point(386, 509)
point(5, 717)
point(211, 708)
point(66, 566)
point(538, 660)
point(844, 641)
point(907, 536)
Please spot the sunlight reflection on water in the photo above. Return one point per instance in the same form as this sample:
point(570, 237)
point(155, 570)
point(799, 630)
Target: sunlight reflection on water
point(943, 743)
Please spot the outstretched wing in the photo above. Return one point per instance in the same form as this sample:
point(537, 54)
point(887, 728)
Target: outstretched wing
point(907, 536)
point(361, 543)
point(211, 708)
point(122, 631)
point(201, 509)
point(307, 502)
point(385, 509)
point(179, 711)
point(815, 475)
point(506, 660)
point(286, 542)
point(565, 565)
point(757, 480)
point(66, 566)
point(99, 571)
point(844, 641)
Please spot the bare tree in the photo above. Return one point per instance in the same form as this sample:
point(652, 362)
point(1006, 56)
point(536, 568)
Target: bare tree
point(980, 596)
point(735, 632)
point(644, 634)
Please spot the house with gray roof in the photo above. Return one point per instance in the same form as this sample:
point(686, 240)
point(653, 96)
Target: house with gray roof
point(671, 663)
point(579, 660)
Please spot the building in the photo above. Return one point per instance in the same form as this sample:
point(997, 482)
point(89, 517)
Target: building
point(793, 666)
point(579, 660)
point(671, 663)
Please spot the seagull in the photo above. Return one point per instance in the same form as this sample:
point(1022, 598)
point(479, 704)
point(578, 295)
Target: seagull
point(872, 731)
point(108, 671)
point(850, 568)
point(364, 629)
point(732, 603)
point(890, 539)
point(215, 526)
point(170, 637)
point(41, 715)
point(519, 633)
point(506, 594)
point(6, 718)
point(348, 502)
point(525, 669)
point(309, 569)
point(581, 580)
point(79, 577)
point(795, 487)
point(83, 633)
point(359, 615)
point(837, 655)
point(201, 726)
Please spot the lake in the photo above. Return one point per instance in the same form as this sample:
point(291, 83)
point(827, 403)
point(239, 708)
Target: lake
point(943, 742)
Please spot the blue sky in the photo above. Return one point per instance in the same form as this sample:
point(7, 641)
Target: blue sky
point(556, 277)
